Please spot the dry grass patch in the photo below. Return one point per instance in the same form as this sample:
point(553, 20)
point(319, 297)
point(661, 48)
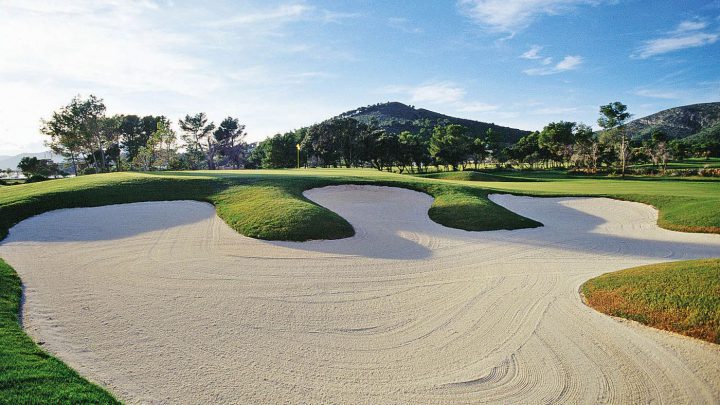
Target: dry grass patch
point(682, 297)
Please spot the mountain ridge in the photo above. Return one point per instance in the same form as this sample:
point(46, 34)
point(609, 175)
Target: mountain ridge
point(396, 117)
point(11, 162)
point(676, 122)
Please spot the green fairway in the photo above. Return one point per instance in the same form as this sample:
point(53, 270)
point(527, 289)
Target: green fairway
point(265, 204)
point(690, 163)
point(268, 204)
point(28, 375)
point(690, 205)
point(682, 297)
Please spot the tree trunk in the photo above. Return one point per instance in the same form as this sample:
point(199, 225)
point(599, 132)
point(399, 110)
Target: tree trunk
point(102, 152)
point(72, 157)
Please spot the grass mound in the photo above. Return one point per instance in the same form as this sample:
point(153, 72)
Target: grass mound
point(469, 175)
point(682, 297)
point(28, 375)
point(269, 205)
point(276, 213)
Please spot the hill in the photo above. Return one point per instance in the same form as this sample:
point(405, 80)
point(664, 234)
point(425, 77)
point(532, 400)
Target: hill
point(396, 117)
point(678, 122)
point(11, 162)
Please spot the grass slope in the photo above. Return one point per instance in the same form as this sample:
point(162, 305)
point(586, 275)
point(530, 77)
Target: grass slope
point(270, 205)
point(682, 297)
point(266, 205)
point(28, 375)
point(689, 205)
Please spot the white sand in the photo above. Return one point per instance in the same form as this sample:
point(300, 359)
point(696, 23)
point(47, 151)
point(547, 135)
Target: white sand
point(163, 302)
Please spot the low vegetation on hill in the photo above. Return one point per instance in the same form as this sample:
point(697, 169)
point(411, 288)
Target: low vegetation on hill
point(678, 122)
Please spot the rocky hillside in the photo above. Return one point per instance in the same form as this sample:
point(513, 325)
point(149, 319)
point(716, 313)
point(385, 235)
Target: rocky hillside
point(678, 122)
point(397, 117)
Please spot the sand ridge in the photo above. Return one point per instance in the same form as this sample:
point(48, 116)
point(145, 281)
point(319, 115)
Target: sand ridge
point(163, 303)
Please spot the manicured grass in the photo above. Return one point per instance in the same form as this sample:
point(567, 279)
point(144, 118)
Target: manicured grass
point(690, 163)
point(268, 204)
point(690, 205)
point(682, 297)
point(260, 204)
point(28, 375)
point(469, 175)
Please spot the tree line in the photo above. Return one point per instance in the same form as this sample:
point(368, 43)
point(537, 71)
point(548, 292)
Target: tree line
point(93, 142)
point(347, 142)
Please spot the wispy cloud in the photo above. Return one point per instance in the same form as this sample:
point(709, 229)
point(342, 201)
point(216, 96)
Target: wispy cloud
point(688, 34)
point(449, 95)
point(510, 16)
point(404, 25)
point(569, 62)
point(146, 57)
point(430, 92)
point(686, 26)
point(282, 13)
point(532, 53)
point(661, 94)
point(476, 107)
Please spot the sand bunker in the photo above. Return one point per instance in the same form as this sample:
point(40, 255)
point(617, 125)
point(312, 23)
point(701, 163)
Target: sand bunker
point(163, 302)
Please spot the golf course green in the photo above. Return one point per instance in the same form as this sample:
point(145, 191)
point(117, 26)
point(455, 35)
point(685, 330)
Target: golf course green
point(269, 204)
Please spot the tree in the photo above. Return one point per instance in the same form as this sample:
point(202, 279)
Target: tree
point(77, 129)
point(230, 136)
point(587, 147)
point(159, 150)
point(383, 150)
point(200, 145)
point(493, 140)
point(612, 119)
point(413, 150)
point(135, 131)
point(338, 141)
point(449, 145)
point(679, 149)
point(558, 138)
point(658, 149)
point(34, 167)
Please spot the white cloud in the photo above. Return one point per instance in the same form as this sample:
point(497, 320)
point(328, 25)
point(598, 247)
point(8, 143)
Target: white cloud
point(514, 15)
point(149, 57)
point(475, 107)
point(662, 94)
point(447, 96)
point(691, 26)
point(532, 53)
point(569, 62)
point(431, 92)
point(688, 34)
point(282, 13)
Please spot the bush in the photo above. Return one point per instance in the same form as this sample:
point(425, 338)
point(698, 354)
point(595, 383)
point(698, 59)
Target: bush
point(89, 170)
point(709, 172)
point(36, 178)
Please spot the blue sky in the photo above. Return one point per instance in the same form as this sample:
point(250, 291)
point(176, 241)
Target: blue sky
point(286, 64)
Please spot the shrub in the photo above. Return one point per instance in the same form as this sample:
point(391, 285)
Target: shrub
point(36, 178)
